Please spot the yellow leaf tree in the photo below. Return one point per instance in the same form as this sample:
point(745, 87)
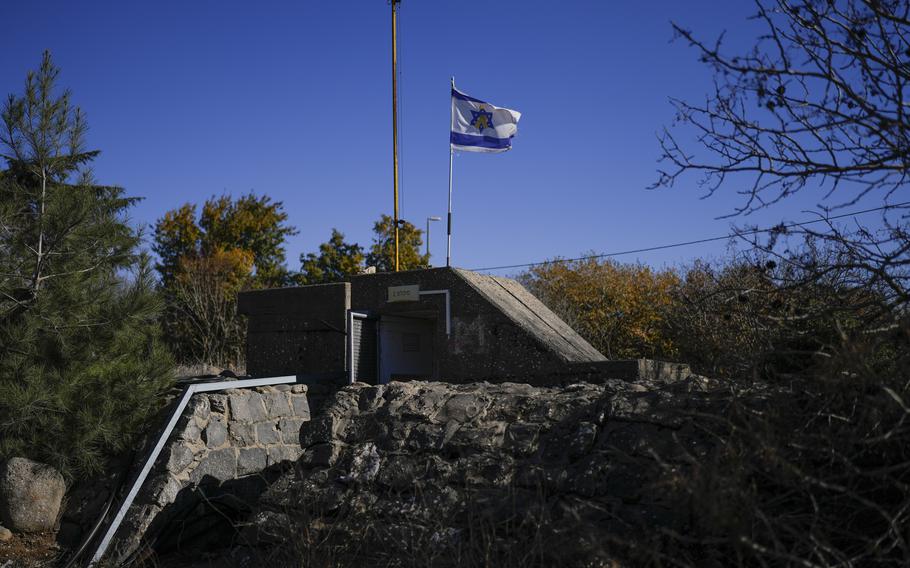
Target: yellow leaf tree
point(619, 308)
point(233, 245)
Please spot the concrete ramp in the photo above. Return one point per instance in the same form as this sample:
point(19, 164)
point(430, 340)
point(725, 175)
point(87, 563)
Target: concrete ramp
point(530, 314)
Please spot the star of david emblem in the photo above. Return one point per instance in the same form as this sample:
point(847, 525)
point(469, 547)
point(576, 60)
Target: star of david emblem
point(482, 119)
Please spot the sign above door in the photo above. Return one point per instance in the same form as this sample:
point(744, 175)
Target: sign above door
point(404, 293)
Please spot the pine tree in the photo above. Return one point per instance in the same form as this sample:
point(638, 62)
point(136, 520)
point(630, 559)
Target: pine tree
point(81, 363)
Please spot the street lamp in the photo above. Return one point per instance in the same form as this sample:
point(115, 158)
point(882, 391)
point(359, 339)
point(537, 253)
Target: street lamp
point(434, 218)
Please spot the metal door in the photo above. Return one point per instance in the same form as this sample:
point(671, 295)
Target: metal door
point(362, 351)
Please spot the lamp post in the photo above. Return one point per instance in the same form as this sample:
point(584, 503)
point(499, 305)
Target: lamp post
point(434, 218)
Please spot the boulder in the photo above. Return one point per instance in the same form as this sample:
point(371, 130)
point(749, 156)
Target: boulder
point(30, 495)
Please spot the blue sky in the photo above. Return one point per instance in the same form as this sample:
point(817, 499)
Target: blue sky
point(292, 99)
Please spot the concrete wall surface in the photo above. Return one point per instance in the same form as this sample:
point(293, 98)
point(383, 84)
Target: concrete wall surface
point(296, 330)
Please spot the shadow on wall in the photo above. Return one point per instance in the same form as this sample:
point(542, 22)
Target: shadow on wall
point(206, 517)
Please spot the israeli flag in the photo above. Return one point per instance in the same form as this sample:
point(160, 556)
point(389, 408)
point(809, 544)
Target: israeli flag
point(478, 126)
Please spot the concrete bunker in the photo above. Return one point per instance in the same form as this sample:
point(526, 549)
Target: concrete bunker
point(439, 324)
point(221, 449)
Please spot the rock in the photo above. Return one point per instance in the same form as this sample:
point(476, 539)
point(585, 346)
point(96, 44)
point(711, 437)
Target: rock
point(221, 442)
point(191, 431)
point(487, 437)
point(166, 489)
point(364, 465)
point(199, 407)
point(521, 439)
point(583, 439)
point(399, 474)
point(251, 460)
point(215, 433)
point(432, 462)
point(371, 397)
point(244, 434)
point(218, 403)
point(30, 495)
point(267, 434)
point(280, 453)
point(268, 527)
point(180, 457)
point(276, 404)
point(462, 408)
point(5, 534)
point(322, 455)
point(327, 427)
point(220, 465)
point(290, 430)
point(301, 406)
point(246, 406)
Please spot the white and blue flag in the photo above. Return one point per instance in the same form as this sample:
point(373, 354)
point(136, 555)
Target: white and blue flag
point(478, 126)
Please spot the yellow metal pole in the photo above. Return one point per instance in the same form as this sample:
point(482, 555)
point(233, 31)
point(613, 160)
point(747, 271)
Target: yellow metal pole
point(395, 117)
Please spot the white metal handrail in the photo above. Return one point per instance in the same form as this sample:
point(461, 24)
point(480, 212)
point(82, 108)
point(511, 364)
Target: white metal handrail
point(156, 451)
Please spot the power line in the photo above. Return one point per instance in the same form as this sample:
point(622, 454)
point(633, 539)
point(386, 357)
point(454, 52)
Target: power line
point(696, 242)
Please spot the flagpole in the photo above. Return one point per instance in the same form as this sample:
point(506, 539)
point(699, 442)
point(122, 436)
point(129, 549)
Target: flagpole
point(451, 156)
point(395, 119)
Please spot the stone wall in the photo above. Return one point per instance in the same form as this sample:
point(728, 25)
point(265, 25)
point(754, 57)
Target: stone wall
point(439, 474)
point(224, 443)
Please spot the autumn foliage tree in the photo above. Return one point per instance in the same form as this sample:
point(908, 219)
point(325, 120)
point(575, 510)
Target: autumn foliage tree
point(382, 252)
point(337, 260)
point(205, 262)
point(619, 308)
point(204, 293)
point(253, 224)
point(250, 223)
